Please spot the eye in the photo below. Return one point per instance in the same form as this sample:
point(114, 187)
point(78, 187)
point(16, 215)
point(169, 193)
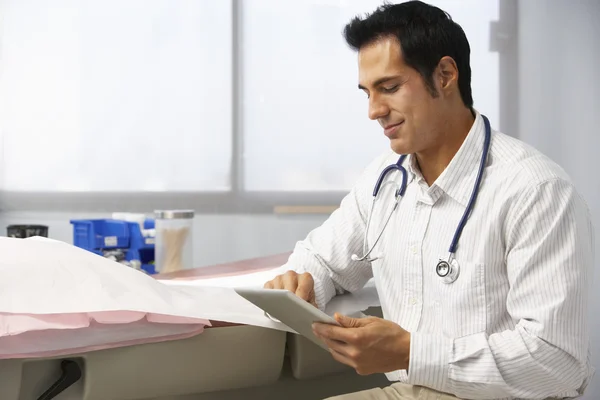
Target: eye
point(390, 89)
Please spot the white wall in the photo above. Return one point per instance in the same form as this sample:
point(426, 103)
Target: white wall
point(559, 55)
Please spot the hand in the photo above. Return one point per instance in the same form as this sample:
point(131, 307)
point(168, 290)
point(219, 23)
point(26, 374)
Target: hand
point(369, 345)
point(302, 285)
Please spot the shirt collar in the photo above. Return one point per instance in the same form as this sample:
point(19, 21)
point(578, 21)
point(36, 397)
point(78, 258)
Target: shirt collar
point(458, 179)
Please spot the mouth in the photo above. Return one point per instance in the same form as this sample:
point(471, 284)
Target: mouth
point(390, 130)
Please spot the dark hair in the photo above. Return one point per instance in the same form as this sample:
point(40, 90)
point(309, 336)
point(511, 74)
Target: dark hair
point(425, 33)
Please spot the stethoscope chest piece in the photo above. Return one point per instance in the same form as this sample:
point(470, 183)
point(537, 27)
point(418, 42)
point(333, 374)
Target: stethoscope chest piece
point(448, 270)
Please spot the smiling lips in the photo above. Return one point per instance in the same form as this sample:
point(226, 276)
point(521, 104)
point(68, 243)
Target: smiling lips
point(391, 129)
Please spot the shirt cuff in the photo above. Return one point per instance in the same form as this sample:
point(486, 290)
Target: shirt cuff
point(324, 291)
point(428, 361)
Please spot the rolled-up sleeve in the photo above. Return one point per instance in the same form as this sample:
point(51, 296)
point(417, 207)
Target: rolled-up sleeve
point(549, 261)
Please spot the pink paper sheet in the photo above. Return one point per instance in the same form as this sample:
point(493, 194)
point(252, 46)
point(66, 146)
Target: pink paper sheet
point(57, 299)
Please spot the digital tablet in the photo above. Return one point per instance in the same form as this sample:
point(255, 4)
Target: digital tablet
point(289, 309)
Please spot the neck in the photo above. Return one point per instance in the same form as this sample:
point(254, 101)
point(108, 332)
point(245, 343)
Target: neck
point(433, 162)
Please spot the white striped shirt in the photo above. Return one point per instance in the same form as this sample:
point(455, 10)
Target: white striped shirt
point(513, 325)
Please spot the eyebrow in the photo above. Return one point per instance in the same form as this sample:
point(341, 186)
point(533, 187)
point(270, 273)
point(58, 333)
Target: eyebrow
point(379, 81)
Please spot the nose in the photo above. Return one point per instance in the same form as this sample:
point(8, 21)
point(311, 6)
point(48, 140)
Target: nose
point(377, 108)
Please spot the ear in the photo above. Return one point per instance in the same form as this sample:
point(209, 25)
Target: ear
point(447, 73)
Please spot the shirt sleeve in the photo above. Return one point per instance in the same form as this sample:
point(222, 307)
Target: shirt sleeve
point(326, 252)
point(549, 261)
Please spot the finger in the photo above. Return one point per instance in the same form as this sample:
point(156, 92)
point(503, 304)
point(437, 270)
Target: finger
point(306, 286)
point(268, 285)
point(350, 322)
point(346, 354)
point(351, 362)
point(339, 333)
point(277, 282)
point(290, 281)
point(339, 347)
point(342, 358)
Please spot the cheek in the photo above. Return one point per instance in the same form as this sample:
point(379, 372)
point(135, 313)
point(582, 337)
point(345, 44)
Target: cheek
point(409, 103)
point(402, 101)
point(420, 112)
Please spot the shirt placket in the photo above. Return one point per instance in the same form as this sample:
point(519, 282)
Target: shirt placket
point(413, 290)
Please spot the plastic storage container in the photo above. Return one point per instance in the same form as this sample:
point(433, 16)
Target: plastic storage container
point(100, 234)
point(174, 240)
point(141, 246)
point(118, 240)
point(25, 231)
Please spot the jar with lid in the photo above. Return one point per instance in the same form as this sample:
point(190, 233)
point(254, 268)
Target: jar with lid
point(173, 249)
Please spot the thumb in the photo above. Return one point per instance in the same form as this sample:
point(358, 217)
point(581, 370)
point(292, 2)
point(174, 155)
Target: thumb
point(349, 322)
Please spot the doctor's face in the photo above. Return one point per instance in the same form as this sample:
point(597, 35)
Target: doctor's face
point(398, 98)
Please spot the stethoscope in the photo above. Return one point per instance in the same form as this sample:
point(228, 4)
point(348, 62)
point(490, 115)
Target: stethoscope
point(449, 268)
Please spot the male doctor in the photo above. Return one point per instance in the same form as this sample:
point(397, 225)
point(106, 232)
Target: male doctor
point(511, 320)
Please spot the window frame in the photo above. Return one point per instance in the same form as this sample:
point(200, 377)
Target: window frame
point(237, 200)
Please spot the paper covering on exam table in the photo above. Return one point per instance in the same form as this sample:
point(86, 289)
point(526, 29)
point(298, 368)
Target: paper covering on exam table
point(57, 299)
point(44, 276)
point(348, 304)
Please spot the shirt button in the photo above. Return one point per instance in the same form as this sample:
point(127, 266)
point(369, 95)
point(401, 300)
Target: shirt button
point(414, 249)
point(412, 301)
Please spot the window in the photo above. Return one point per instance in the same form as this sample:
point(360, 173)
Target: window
point(116, 96)
point(301, 104)
point(105, 97)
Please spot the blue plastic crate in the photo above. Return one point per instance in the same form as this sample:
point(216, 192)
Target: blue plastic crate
point(98, 234)
point(149, 223)
point(141, 248)
point(136, 239)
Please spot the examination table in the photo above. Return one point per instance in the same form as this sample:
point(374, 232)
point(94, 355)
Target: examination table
point(225, 362)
